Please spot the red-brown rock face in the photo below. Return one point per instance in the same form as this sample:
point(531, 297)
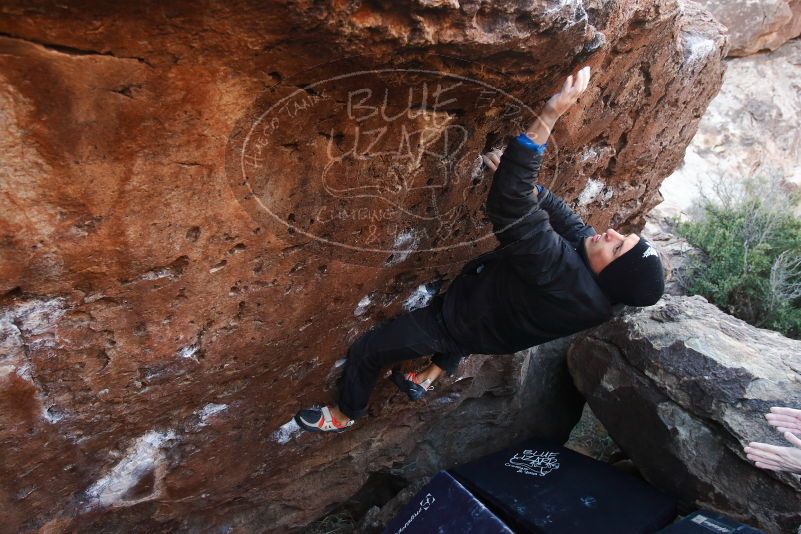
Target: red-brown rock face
point(200, 210)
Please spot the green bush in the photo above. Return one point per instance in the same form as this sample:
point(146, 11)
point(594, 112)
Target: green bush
point(750, 265)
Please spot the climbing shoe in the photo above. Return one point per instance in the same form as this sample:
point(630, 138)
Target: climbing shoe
point(319, 419)
point(408, 384)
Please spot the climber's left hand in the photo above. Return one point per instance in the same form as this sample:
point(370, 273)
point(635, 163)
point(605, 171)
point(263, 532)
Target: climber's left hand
point(776, 458)
point(492, 158)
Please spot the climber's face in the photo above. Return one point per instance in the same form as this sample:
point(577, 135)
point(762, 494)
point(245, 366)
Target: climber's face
point(603, 249)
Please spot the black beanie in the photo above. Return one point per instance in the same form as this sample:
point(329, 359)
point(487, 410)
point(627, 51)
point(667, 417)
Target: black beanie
point(635, 278)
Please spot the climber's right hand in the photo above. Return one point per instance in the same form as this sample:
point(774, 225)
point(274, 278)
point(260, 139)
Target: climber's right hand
point(571, 90)
point(558, 104)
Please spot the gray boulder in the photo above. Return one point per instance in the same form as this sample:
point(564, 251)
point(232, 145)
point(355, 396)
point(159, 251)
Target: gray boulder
point(682, 387)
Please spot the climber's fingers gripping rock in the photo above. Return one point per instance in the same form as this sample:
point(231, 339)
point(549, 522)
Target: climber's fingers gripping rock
point(492, 158)
point(572, 88)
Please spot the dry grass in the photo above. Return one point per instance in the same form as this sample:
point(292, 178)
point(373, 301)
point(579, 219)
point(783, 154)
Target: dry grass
point(339, 522)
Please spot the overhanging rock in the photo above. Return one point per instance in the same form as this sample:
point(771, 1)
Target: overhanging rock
point(179, 272)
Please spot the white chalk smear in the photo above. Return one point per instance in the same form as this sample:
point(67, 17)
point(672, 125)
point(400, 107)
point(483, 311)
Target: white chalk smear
point(419, 298)
point(696, 47)
point(163, 272)
point(6, 370)
point(52, 414)
point(286, 432)
point(361, 307)
point(590, 191)
point(576, 5)
point(352, 333)
point(24, 372)
point(34, 317)
point(339, 363)
point(141, 458)
point(589, 153)
point(11, 342)
point(405, 243)
point(25, 326)
point(477, 170)
point(447, 399)
point(208, 411)
point(188, 352)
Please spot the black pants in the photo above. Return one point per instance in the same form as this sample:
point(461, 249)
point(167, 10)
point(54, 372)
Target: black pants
point(417, 333)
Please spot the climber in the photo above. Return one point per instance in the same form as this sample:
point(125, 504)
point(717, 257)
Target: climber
point(552, 275)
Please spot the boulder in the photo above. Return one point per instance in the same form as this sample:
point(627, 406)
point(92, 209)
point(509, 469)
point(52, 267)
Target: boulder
point(750, 129)
point(757, 26)
point(682, 387)
point(202, 207)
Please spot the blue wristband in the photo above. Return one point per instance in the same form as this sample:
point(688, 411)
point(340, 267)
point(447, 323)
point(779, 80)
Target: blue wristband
point(527, 142)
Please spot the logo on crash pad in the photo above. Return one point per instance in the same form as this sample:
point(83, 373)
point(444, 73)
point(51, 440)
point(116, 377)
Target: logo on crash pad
point(534, 463)
point(426, 503)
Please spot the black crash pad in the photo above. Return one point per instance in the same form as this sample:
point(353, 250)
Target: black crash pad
point(445, 506)
point(542, 487)
point(706, 522)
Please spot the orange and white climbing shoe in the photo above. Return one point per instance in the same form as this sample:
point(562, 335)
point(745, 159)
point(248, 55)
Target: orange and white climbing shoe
point(319, 419)
point(408, 384)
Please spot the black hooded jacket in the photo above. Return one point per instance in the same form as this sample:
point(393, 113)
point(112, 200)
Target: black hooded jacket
point(535, 286)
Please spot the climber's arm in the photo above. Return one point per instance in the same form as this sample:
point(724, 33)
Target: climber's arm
point(564, 220)
point(566, 223)
point(512, 203)
point(517, 217)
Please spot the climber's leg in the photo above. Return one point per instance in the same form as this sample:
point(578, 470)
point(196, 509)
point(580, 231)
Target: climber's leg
point(408, 336)
point(430, 373)
point(321, 419)
point(415, 385)
point(447, 361)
